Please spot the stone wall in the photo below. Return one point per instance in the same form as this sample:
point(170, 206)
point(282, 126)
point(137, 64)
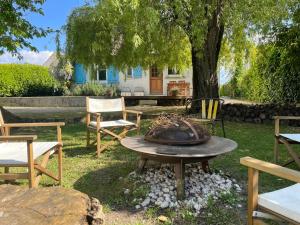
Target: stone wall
point(257, 113)
point(72, 101)
point(47, 101)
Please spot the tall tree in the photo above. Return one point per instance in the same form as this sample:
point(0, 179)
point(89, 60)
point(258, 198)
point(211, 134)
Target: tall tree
point(15, 30)
point(170, 32)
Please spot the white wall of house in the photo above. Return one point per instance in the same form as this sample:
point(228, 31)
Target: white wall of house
point(144, 81)
point(132, 83)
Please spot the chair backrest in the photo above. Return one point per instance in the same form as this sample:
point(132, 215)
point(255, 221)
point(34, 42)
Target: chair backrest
point(105, 105)
point(208, 108)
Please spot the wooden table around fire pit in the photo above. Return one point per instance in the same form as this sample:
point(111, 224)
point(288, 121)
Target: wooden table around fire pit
point(179, 155)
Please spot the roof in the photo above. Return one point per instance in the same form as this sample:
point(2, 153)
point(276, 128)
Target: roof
point(51, 61)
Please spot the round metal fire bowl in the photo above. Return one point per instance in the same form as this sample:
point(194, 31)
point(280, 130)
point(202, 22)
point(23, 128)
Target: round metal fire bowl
point(174, 142)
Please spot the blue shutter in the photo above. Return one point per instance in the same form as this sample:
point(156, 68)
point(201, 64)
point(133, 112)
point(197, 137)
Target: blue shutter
point(112, 75)
point(137, 72)
point(80, 74)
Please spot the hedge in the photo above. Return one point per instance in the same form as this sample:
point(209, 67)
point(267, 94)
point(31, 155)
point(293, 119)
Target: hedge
point(27, 80)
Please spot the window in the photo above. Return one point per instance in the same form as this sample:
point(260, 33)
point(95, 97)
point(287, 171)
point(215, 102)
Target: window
point(173, 71)
point(154, 72)
point(101, 75)
point(129, 73)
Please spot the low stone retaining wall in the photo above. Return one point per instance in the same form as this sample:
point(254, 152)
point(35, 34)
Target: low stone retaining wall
point(46, 101)
point(258, 113)
point(78, 101)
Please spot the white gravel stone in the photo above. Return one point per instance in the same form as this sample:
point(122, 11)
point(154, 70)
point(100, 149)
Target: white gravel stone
point(126, 191)
point(166, 190)
point(199, 187)
point(146, 202)
point(164, 205)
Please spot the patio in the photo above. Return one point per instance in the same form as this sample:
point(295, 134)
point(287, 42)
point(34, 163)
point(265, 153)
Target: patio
point(106, 177)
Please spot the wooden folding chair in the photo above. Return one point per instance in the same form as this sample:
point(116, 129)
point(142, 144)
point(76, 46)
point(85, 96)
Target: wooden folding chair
point(281, 205)
point(208, 111)
point(103, 128)
point(287, 140)
point(22, 151)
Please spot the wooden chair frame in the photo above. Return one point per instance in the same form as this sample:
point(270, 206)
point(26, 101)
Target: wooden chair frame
point(35, 169)
point(101, 132)
point(210, 108)
point(254, 167)
point(286, 142)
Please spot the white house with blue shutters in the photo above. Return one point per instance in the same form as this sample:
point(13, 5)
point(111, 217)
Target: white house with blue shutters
point(152, 81)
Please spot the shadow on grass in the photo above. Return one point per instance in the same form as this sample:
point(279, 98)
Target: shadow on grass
point(107, 184)
point(100, 177)
point(73, 150)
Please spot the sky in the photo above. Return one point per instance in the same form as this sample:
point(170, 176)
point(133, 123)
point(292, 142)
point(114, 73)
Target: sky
point(56, 14)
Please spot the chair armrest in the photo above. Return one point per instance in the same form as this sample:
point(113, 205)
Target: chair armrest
point(134, 112)
point(271, 168)
point(94, 113)
point(51, 124)
point(286, 117)
point(18, 138)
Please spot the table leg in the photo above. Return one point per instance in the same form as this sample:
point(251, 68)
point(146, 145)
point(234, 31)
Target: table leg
point(179, 175)
point(205, 166)
point(6, 170)
point(142, 163)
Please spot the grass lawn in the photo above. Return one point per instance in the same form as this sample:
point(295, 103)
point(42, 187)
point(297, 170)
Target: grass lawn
point(105, 177)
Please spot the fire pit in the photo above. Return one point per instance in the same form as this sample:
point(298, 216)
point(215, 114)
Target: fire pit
point(163, 143)
point(172, 129)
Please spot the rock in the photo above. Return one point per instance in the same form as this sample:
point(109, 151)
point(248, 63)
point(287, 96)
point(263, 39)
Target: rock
point(146, 202)
point(95, 216)
point(166, 190)
point(137, 207)
point(164, 205)
point(162, 219)
point(197, 207)
point(132, 174)
point(126, 191)
point(48, 206)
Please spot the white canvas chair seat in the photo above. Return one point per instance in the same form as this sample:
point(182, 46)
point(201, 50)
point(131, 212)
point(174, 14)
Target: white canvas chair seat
point(112, 123)
point(285, 202)
point(292, 137)
point(15, 153)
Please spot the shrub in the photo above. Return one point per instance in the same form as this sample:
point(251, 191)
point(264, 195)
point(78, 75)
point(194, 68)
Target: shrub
point(94, 89)
point(226, 90)
point(274, 72)
point(27, 80)
point(274, 77)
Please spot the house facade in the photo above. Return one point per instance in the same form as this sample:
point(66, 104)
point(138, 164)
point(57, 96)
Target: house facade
point(150, 81)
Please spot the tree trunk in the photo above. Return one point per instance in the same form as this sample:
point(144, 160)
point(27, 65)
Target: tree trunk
point(205, 60)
